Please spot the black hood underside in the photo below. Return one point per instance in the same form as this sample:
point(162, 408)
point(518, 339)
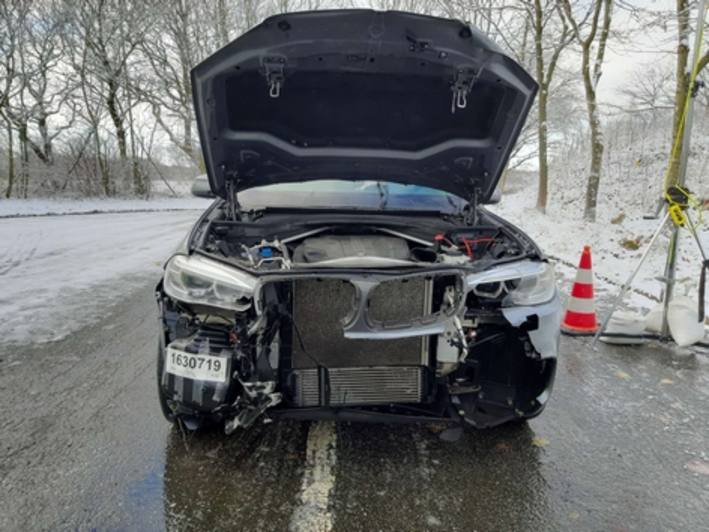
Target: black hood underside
point(360, 95)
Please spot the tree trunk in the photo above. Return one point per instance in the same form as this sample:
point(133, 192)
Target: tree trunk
point(105, 175)
point(24, 161)
point(10, 160)
point(222, 18)
point(542, 191)
point(591, 74)
point(187, 147)
point(102, 167)
point(121, 133)
point(594, 175)
point(139, 185)
point(112, 105)
point(47, 149)
point(681, 89)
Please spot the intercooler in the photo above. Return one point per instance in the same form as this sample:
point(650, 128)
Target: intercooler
point(358, 371)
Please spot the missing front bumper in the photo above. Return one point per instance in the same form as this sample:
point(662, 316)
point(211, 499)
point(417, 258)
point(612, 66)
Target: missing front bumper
point(374, 385)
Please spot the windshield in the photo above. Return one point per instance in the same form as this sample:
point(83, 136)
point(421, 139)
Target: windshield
point(365, 195)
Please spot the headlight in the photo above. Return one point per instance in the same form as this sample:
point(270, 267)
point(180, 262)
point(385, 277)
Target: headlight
point(202, 281)
point(533, 289)
point(524, 283)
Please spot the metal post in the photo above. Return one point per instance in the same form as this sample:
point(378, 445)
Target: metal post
point(671, 264)
point(626, 285)
point(695, 234)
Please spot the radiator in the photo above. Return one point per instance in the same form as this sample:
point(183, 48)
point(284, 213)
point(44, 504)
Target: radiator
point(359, 386)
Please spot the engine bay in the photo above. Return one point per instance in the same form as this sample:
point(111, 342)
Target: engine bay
point(263, 245)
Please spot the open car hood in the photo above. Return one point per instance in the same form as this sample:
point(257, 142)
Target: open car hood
point(360, 95)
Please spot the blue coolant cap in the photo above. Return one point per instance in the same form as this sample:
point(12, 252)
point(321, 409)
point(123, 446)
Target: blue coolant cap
point(267, 253)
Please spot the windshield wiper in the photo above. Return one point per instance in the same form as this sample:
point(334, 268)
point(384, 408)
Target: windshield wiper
point(458, 209)
point(383, 195)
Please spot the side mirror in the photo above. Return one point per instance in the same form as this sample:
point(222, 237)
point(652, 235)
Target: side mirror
point(201, 188)
point(496, 197)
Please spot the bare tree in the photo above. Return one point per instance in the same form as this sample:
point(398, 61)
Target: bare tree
point(179, 39)
point(551, 36)
point(110, 32)
point(45, 103)
point(591, 32)
point(183, 35)
point(233, 17)
point(92, 111)
point(498, 19)
point(12, 16)
point(650, 90)
point(414, 6)
point(284, 6)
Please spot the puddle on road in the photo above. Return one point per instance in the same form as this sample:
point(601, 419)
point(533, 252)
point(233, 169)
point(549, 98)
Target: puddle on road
point(246, 481)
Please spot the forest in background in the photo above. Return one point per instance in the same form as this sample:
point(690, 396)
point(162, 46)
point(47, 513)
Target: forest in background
point(95, 95)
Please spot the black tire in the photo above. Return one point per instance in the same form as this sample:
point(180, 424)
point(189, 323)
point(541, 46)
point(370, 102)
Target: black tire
point(166, 411)
point(188, 423)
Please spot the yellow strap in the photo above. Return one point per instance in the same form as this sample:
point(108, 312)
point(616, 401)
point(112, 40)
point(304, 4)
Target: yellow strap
point(677, 204)
point(676, 149)
point(675, 207)
point(677, 215)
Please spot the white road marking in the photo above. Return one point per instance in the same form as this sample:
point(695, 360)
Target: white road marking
point(313, 513)
point(426, 467)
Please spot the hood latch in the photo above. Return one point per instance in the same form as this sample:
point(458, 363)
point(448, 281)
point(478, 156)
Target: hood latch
point(275, 77)
point(463, 81)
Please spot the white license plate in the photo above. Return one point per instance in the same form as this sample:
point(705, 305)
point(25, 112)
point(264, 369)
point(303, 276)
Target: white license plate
point(198, 367)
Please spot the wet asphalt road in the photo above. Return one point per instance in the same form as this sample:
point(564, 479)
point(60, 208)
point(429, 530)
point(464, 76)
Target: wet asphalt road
point(623, 445)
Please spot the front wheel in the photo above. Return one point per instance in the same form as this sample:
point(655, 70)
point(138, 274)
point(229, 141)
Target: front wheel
point(164, 407)
point(189, 422)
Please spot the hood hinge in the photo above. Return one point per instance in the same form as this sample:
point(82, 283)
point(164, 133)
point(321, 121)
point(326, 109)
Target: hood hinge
point(275, 77)
point(231, 184)
point(463, 81)
point(470, 213)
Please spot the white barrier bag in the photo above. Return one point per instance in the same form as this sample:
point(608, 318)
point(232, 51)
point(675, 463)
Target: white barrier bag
point(683, 321)
point(625, 323)
point(653, 321)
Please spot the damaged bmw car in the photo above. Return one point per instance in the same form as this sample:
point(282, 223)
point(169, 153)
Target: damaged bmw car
point(348, 268)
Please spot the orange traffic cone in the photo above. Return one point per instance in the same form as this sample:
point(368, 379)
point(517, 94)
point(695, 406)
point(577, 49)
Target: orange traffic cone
point(581, 312)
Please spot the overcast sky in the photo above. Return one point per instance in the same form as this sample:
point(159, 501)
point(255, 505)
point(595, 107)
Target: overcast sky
point(625, 61)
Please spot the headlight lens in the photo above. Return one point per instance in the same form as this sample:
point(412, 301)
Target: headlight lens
point(203, 281)
point(517, 283)
point(533, 289)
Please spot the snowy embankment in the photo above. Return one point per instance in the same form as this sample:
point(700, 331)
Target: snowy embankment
point(562, 234)
point(43, 206)
point(61, 273)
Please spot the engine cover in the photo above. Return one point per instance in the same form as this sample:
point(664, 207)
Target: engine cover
point(331, 247)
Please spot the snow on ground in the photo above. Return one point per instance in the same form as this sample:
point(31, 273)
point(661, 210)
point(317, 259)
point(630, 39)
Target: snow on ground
point(44, 206)
point(562, 234)
point(59, 273)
